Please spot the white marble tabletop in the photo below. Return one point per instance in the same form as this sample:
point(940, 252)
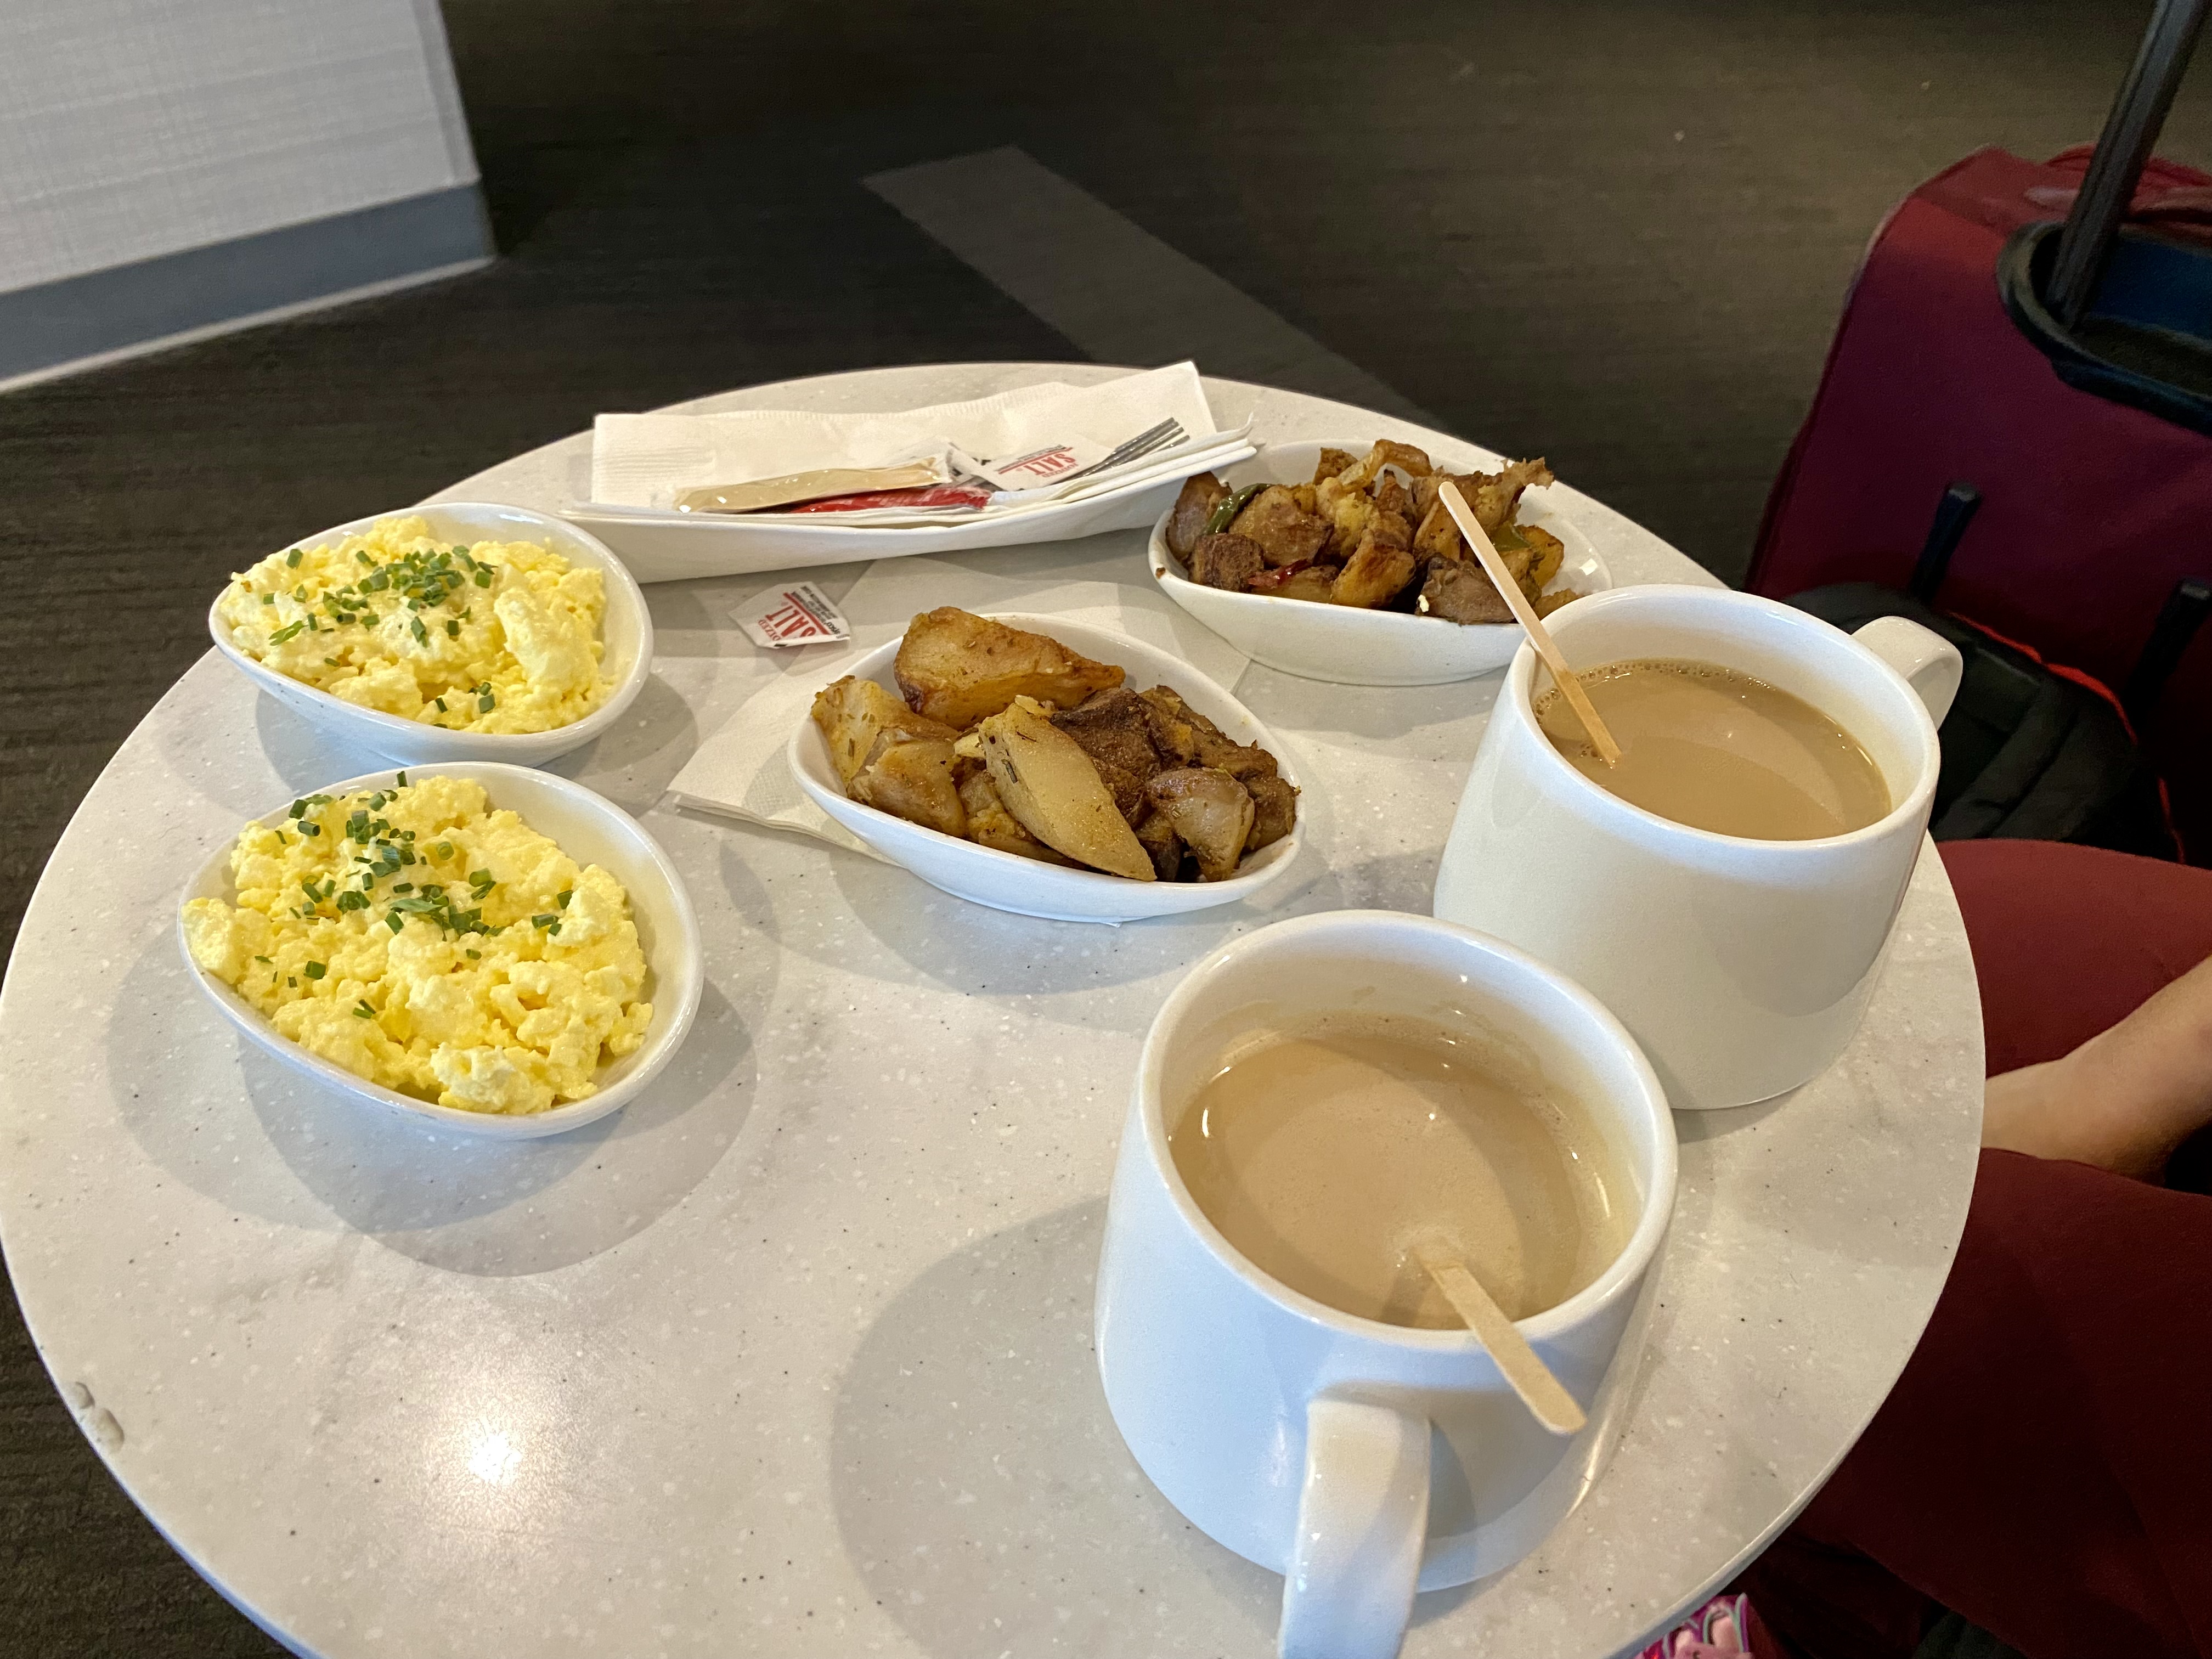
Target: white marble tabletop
point(793, 1355)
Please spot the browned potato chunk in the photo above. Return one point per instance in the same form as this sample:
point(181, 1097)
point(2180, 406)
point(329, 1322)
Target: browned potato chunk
point(1546, 552)
point(1332, 462)
point(1438, 538)
point(1274, 811)
point(912, 779)
point(1496, 496)
point(989, 824)
point(1308, 499)
point(1386, 453)
point(1211, 811)
point(1192, 508)
point(853, 713)
point(1459, 592)
point(957, 668)
point(1349, 511)
point(1391, 496)
point(1284, 534)
point(1227, 562)
point(1112, 728)
point(1548, 603)
point(1157, 837)
point(1379, 571)
point(1053, 791)
point(1309, 581)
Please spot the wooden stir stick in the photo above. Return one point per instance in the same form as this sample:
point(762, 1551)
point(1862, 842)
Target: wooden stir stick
point(1539, 635)
point(1540, 1391)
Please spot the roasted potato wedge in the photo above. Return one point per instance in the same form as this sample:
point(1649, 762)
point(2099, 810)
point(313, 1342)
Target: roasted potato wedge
point(912, 778)
point(1053, 791)
point(989, 824)
point(853, 713)
point(957, 668)
point(1211, 812)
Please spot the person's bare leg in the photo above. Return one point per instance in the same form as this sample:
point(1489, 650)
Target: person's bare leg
point(2123, 1100)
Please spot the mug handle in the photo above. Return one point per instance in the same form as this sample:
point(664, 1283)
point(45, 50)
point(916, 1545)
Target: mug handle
point(1362, 1522)
point(1930, 664)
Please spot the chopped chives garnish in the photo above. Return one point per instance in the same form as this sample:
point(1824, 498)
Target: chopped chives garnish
point(284, 634)
point(402, 778)
point(268, 599)
point(421, 634)
point(394, 921)
point(473, 956)
point(483, 575)
point(313, 970)
point(262, 959)
point(562, 897)
point(292, 559)
point(452, 630)
point(362, 1011)
point(486, 703)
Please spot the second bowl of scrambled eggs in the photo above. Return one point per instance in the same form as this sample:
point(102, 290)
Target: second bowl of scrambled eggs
point(463, 630)
point(489, 947)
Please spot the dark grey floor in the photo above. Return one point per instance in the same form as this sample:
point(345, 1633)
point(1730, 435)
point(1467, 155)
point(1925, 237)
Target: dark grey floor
point(1611, 232)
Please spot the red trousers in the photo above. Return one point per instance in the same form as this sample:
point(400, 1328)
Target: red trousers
point(2045, 1463)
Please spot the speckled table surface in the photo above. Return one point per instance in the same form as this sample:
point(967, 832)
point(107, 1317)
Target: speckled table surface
point(793, 1355)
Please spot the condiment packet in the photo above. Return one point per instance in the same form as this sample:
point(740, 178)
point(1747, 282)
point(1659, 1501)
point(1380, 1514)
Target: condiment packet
point(798, 614)
point(760, 493)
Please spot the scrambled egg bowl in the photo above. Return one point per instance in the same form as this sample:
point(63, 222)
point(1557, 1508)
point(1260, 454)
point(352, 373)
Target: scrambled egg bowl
point(431, 944)
point(496, 636)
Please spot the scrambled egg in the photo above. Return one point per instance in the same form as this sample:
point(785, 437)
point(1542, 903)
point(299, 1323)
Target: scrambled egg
point(497, 636)
point(425, 942)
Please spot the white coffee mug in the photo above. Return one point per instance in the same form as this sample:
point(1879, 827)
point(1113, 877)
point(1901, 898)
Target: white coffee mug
point(1741, 966)
point(1361, 1459)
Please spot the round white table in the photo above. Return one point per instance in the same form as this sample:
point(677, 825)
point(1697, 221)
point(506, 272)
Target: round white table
point(793, 1355)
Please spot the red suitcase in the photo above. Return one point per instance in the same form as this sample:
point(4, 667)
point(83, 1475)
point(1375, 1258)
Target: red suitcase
point(1949, 365)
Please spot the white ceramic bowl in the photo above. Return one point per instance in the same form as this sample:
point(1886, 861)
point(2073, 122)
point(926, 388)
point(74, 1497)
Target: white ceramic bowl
point(589, 830)
point(1364, 647)
point(626, 629)
point(1005, 881)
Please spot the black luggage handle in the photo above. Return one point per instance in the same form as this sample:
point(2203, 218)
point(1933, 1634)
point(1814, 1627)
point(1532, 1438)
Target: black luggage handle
point(2124, 313)
point(2131, 129)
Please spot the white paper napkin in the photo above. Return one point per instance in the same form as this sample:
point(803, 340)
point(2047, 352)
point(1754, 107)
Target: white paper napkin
point(641, 461)
point(740, 773)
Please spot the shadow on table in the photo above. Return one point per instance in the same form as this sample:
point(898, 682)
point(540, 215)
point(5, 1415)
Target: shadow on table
point(1378, 713)
point(633, 762)
point(982, 1491)
point(454, 1201)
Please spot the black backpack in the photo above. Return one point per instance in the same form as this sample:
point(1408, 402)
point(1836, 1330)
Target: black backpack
point(2031, 751)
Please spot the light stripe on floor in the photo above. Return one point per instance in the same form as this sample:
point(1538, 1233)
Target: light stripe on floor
point(1115, 291)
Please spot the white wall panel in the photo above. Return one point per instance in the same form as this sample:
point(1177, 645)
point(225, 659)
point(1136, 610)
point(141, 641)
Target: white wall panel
point(130, 129)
